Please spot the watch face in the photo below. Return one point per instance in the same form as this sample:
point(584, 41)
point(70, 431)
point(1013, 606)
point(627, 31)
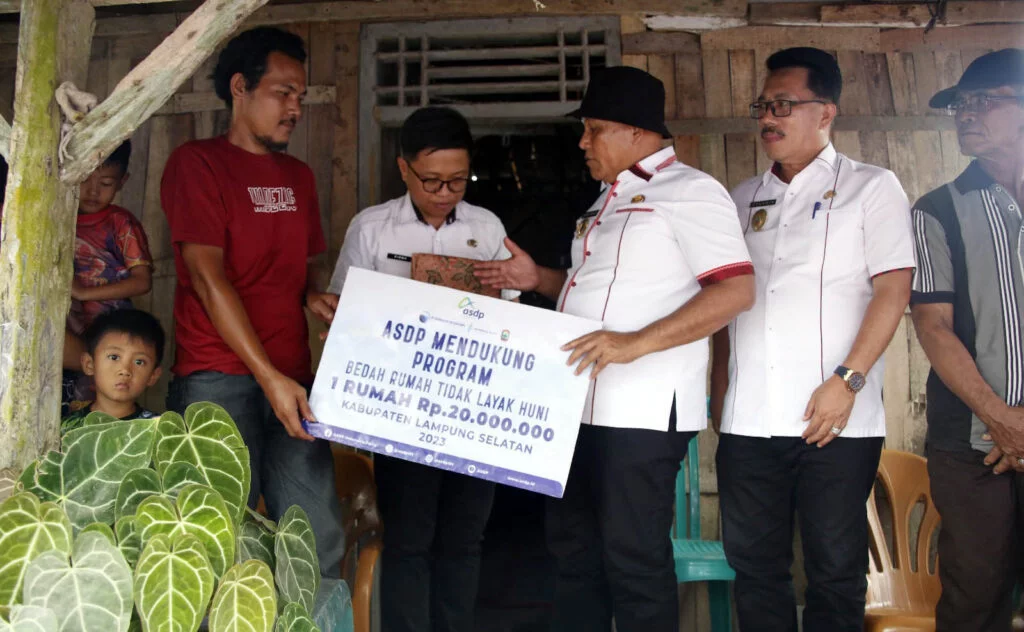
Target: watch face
point(856, 381)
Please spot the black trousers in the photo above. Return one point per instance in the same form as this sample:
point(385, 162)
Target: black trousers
point(980, 543)
point(609, 533)
point(433, 529)
point(761, 483)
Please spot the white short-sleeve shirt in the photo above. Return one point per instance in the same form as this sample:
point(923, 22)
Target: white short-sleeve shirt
point(383, 238)
point(824, 236)
point(648, 244)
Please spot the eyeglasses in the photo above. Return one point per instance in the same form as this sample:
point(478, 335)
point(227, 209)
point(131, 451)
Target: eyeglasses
point(980, 103)
point(778, 107)
point(434, 185)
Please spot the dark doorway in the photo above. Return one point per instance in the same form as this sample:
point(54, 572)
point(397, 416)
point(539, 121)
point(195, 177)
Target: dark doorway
point(535, 180)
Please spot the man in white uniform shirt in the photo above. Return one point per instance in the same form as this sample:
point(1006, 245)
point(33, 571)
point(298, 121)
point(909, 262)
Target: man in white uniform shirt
point(433, 520)
point(802, 421)
point(660, 259)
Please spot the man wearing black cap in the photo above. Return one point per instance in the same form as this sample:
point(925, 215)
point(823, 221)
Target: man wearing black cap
point(797, 381)
point(659, 258)
point(968, 309)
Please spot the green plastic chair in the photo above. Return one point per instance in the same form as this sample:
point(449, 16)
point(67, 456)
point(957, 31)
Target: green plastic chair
point(700, 560)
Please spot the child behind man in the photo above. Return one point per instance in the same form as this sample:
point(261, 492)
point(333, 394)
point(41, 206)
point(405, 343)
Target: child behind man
point(112, 260)
point(123, 353)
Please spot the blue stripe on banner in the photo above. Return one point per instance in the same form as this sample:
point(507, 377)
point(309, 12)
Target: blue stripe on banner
point(435, 459)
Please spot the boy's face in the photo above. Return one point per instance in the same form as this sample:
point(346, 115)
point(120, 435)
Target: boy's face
point(98, 190)
point(123, 366)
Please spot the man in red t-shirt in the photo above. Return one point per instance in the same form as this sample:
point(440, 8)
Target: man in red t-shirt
point(245, 224)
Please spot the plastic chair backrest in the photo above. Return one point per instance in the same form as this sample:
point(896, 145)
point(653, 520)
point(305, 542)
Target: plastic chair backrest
point(687, 525)
point(357, 493)
point(893, 581)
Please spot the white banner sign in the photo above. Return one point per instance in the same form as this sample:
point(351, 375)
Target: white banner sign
point(457, 381)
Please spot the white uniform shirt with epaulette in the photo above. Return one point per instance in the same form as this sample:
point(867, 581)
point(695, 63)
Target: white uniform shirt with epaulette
point(650, 242)
point(816, 245)
point(383, 238)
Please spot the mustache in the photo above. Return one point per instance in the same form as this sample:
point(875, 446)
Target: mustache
point(293, 121)
point(770, 129)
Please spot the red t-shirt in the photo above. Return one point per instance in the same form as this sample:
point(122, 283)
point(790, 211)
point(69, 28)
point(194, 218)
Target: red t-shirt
point(263, 211)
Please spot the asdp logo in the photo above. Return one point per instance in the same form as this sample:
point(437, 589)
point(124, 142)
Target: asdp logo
point(469, 308)
point(505, 335)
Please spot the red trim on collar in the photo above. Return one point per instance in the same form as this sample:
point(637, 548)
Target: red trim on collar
point(722, 273)
point(667, 162)
point(639, 172)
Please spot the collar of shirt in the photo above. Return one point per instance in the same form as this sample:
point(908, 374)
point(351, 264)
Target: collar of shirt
point(408, 213)
point(973, 178)
point(645, 169)
point(827, 158)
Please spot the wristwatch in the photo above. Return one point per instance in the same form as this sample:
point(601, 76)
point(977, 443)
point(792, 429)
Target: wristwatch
point(854, 380)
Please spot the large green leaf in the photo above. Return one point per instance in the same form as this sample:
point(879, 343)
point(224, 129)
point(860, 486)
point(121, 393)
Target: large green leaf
point(198, 510)
point(294, 618)
point(85, 478)
point(297, 569)
point(28, 529)
point(96, 418)
point(30, 619)
point(137, 486)
point(173, 584)
point(102, 529)
point(179, 475)
point(208, 439)
point(8, 483)
point(94, 592)
point(245, 600)
point(129, 541)
point(255, 542)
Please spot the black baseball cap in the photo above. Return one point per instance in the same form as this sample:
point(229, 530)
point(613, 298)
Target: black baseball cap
point(1000, 68)
point(625, 95)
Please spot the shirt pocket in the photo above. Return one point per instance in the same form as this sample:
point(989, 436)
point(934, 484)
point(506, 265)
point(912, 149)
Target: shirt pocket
point(843, 243)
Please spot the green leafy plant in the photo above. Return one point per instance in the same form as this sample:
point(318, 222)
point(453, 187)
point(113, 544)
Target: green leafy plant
point(208, 440)
point(294, 618)
point(30, 619)
point(28, 528)
point(173, 584)
point(92, 591)
point(141, 526)
point(245, 600)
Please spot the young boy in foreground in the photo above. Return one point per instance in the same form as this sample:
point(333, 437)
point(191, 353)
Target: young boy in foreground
point(123, 353)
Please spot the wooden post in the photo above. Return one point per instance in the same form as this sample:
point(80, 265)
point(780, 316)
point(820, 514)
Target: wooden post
point(5, 139)
point(36, 246)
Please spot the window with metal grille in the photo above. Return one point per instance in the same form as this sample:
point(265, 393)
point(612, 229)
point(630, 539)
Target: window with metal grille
point(507, 71)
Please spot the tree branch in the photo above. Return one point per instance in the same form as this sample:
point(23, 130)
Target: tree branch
point(152, 83)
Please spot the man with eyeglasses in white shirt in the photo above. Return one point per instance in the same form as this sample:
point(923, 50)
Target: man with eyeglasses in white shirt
point(433, 520)
point(968, 309)
point(797, 380)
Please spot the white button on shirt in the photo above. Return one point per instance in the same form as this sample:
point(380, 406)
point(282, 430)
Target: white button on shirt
point(645, 247)
point(813, 272)
point(383, 238)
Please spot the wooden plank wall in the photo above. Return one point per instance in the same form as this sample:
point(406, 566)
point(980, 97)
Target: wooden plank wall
point(708, 77)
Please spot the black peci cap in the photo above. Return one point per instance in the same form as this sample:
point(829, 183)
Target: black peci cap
point(625, 95)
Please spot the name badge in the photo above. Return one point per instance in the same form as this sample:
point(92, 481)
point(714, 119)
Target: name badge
point(397, 257)
point(760, 203)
